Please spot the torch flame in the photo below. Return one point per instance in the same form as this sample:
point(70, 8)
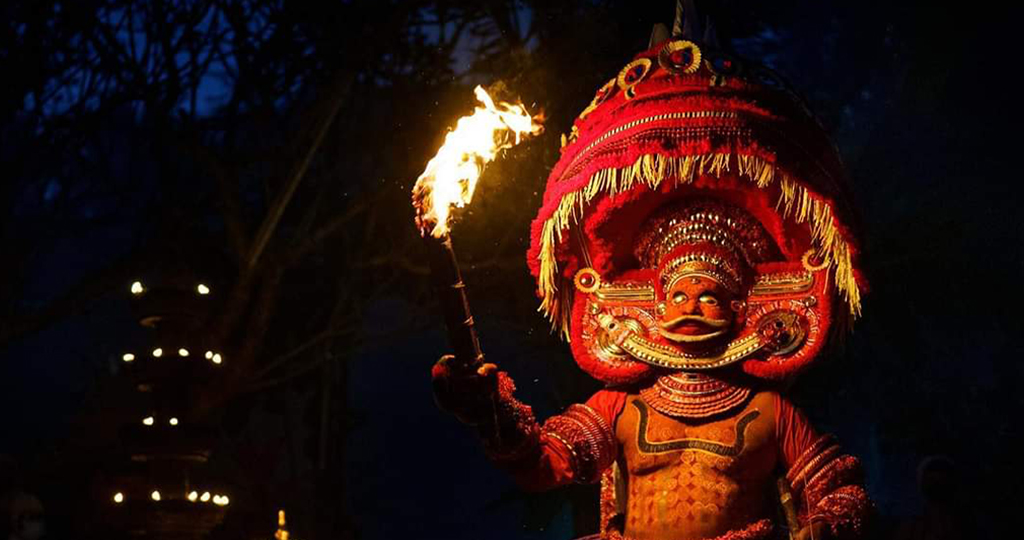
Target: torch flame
point(451, 175)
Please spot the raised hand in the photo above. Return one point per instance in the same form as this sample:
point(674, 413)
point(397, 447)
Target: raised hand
point(468, 392)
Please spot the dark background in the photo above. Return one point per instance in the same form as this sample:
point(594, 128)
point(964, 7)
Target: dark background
point(143, 135)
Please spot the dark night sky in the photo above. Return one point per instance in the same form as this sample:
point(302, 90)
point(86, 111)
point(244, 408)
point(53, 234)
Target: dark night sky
point(934, 158)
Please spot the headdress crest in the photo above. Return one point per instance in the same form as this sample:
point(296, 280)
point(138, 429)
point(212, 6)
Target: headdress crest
point(738, 161)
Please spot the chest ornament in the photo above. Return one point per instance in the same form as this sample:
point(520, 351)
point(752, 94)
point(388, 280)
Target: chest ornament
point(711, 447)
point(693, 395)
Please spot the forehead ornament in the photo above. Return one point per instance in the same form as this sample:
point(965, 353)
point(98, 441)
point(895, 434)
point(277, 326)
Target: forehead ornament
point(703, 238)
point(696, 264)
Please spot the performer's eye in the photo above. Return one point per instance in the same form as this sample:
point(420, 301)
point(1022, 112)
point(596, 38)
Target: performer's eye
point(678, 298)
point(708, 299)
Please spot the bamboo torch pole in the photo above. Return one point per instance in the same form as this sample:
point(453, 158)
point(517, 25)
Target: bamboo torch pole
point(451, 292)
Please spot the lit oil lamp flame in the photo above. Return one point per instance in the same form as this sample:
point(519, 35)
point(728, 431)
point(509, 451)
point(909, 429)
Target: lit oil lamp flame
point(452, 174)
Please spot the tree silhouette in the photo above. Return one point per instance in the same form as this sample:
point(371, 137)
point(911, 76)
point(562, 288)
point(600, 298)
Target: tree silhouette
point(273, 145)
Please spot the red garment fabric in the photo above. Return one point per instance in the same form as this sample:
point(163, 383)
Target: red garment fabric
point(793, 431)
point(550, 466)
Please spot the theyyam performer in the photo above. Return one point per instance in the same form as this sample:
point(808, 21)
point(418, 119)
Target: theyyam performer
point(696, 249)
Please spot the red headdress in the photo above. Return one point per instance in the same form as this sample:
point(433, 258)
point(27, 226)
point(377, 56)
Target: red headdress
point(687, 134)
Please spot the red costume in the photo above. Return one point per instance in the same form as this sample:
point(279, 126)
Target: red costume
point(694, 248)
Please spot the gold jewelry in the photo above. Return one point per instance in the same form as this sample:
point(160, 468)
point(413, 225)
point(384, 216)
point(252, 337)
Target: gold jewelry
point(632, 74)
point(810, 266)
point(600, 97)
point(680, 56)
point(587, 280)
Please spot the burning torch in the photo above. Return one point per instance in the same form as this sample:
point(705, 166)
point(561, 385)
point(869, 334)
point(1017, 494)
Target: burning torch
point(449, 182)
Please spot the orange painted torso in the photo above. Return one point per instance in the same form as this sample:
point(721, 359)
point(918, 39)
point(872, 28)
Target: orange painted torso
point(688, 480)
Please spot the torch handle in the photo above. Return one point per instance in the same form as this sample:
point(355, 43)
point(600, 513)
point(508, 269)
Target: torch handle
point(788, 506)
point(451, 291)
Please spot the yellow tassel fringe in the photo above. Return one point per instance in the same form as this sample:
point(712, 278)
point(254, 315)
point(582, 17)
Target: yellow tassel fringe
point(795, 202)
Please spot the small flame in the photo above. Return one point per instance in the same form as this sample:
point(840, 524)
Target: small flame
point(451, 176)
point(282, 533)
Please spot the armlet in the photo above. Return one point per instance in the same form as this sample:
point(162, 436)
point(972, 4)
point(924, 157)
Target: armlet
point(828, 485)
point(588, 438)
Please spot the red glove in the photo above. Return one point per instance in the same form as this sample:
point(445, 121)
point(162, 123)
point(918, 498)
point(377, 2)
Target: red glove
point(468, 392)
point(481, 396)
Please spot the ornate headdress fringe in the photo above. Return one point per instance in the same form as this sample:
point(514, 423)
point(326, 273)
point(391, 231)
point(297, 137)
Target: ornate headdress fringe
point(795, 201)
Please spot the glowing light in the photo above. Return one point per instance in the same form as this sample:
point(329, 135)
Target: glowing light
point(209, 355)
point(155, 495)
point(216, 358)
point(282, 533)
point(182, 352)
point(137, 288)
point(149, 420)
point(205, 497)
point(173, 421)
point(128, 357)
point(119, 497)
point(158, 352)
point(451, 175)
point(221, 500)
point(202, 289)
point(193, 496)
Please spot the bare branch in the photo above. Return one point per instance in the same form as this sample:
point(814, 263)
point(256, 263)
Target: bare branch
point(338, 92)
point(305, 346)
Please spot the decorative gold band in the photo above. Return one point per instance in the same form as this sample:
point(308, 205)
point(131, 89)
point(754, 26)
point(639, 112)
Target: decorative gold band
point(661, 355)
point(588, 438)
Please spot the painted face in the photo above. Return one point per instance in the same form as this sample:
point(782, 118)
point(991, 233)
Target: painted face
point(699, 313)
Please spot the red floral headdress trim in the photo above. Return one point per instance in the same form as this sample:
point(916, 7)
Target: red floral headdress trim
point(658, 125)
